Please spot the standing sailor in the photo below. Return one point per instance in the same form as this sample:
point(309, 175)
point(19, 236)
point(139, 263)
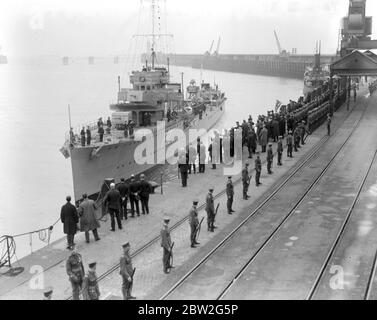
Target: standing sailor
point(90, 289)
point(76, 273)
point(194, 223)
point(230, 194)
point(166, 245)
point(127, 272)
point(245, 181)
point(210, 208)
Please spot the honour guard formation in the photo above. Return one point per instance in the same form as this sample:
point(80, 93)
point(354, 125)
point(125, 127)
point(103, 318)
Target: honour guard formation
point(288, 124)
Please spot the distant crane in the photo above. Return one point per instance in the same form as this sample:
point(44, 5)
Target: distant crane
point(208, 53)
point(216, 53)
point(282, 52)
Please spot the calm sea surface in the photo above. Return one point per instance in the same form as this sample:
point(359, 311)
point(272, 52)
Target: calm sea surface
point(34, 94)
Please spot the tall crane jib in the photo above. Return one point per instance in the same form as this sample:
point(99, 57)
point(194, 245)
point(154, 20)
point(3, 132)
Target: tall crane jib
point(216, 53)
point(356, 29)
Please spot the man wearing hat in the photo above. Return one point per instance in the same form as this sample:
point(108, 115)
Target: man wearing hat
point(245, 181)
point(124, 190)
point(166, 245)
point(194, 223)
point(145, 189)
point(270, 158)
point(47, 293)
point(280, 150)
point(134, 196)
point(229, 194)
point(112, 200)
point(88, 220)
point(289, 140)
point(210, 208)
point(69, 218)
point(258, 169)
point(127, 272)
point(90, 289)
point(76, 273)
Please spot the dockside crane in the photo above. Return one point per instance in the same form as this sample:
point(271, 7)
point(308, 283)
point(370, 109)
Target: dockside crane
point(216, 53)
point(208, 53)
point(356, 29)
point(282, 52)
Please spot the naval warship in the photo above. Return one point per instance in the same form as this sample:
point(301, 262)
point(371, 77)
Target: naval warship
point(316, 75)
point(151, 98)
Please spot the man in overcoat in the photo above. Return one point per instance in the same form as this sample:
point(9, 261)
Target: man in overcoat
point(70, 219)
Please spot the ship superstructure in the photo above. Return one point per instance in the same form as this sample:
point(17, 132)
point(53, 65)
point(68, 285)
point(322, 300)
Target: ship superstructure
point(151, 103)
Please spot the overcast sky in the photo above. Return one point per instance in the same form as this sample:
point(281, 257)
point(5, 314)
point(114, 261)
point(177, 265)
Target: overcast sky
point(105, 27)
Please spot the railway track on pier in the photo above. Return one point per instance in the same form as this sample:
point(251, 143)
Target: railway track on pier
point(176, 225)
point(174, 291)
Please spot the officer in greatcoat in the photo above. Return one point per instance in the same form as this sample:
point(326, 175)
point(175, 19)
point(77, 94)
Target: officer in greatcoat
point(70, 219)
point(88, 221)
point(76, 273)
point(166, 244)
point(90, 288)
point(127, 272)
point(194, 223)
point(263, 139)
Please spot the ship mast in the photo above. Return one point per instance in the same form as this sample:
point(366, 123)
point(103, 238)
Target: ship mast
point(153, 34)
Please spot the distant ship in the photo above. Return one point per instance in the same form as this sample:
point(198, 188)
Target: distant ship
point(316, 75)
point(151, 98)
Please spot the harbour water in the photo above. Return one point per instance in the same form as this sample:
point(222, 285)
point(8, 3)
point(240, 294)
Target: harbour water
point(34, 94)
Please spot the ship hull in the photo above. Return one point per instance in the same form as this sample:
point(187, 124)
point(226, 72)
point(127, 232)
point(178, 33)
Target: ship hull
point(116, 160)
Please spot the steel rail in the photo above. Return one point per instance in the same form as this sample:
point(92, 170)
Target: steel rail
point(235, 230)
point(340, 233)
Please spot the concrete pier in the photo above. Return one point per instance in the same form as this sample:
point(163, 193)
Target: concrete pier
point(150, 282)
